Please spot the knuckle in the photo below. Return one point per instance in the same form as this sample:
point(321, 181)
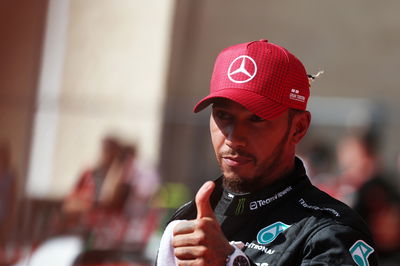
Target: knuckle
point(177, 252)
point(202, 224)
point(177, 228)
point(180, 252)
point(175, 242)
point(202, 251)
point(201, 237)
point(199, 223)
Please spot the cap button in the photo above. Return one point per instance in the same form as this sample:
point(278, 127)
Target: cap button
point(263, 40)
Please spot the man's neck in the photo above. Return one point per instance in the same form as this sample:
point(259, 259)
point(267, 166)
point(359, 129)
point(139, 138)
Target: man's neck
point(280, 173)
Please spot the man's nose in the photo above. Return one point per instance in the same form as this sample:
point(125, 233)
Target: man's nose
point(236, 136)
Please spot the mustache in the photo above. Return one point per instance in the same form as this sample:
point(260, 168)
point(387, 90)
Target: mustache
point(236, 152)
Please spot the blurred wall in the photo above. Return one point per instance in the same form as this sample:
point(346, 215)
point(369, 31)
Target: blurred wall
point(109, 67)
point(111, 81)
point(22, 26)
point(354, 42)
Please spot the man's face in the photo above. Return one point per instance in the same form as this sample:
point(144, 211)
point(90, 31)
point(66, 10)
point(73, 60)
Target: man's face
point(251, 151)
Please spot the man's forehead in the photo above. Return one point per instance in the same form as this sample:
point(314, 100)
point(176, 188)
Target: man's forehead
point(233, 106)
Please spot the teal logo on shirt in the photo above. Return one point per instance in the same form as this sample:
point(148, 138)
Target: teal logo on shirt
point(360, 252)
point(269, 233)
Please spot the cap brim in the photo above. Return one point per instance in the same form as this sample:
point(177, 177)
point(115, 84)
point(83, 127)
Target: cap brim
point(255, 103)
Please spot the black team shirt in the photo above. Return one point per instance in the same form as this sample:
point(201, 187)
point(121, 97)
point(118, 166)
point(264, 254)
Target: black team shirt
point(290, 222)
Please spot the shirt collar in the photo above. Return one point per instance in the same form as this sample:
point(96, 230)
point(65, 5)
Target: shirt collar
point(239, 204)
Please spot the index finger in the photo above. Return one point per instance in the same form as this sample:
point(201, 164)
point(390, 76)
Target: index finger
point(185, 227)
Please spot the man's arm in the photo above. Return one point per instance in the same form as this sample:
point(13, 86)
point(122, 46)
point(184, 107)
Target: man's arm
point(80, 199)
point(338, 245)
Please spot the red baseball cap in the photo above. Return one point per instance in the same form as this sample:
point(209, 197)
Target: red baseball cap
point(263, 77)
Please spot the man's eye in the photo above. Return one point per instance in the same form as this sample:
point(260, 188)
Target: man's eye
point(222, 115)
point(256, 118)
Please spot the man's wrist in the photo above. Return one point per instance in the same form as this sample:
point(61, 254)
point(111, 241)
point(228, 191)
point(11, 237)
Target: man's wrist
point(237, 257)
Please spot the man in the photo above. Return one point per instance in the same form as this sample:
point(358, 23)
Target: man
point(96, 200)
point(363, 178)
point(263, 210)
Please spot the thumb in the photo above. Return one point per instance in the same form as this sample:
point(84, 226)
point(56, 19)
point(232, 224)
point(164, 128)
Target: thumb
point(203, 200)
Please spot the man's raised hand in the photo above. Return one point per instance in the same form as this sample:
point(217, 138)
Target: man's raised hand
point(201, 241)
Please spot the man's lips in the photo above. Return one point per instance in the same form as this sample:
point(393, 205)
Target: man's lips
point(236, 160)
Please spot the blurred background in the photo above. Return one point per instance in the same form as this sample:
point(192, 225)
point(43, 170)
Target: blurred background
point(97, 129)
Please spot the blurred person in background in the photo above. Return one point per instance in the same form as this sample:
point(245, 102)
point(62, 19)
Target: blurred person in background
point(111, 205)
point(263, 210)
point(142, 217)
point(368, 188)
point(358, 162)
point(8, 193)
point(319, 160)
point(85, 196)
point(90, 203)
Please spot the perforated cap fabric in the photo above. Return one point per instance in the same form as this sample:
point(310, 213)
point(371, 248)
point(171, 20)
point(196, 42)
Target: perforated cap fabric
point(263, 77)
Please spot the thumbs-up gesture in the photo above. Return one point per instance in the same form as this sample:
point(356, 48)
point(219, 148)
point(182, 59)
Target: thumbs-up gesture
point(201, 241)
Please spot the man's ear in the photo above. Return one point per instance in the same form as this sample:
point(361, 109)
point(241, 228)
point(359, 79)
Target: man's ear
point(301, 123)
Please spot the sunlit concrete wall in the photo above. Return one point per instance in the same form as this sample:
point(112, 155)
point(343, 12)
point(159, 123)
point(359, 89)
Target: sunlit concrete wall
point(112, 81)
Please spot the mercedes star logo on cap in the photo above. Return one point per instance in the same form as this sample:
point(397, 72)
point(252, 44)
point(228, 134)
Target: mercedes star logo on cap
point(244, 68)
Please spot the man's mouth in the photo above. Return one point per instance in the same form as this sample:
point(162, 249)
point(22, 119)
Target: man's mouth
point(235, 161)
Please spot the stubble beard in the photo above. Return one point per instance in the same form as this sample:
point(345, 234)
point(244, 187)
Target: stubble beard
point(262, 176)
